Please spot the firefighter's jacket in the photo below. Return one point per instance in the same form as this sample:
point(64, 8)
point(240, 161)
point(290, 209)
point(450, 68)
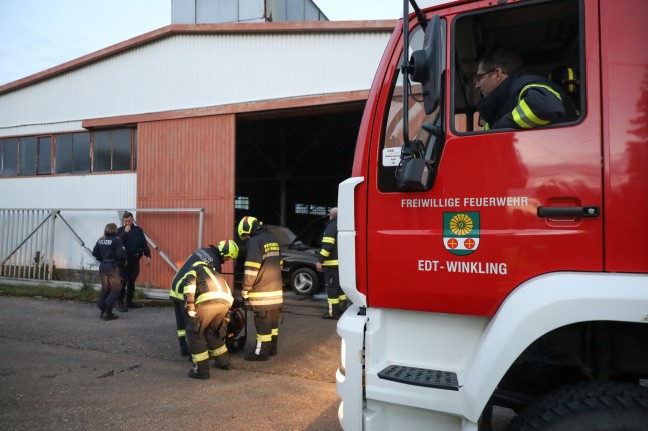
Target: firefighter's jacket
point(110, 252)
point(262, 274)
point(206, 288)
point(329, 252)
point(526, 101)
point(186, 275)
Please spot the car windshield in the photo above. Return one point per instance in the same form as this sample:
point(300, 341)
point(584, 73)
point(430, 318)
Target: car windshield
point(284, 235)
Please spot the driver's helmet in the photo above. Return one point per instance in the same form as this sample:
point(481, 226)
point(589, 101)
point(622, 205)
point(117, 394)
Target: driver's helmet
point(228, 248)
point(248, 226)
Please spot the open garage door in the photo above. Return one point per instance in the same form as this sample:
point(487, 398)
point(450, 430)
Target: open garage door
point(289, 163)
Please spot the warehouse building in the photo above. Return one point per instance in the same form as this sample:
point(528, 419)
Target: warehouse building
point(192, 126)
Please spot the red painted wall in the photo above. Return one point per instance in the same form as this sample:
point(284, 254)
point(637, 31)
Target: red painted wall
point(185, 163)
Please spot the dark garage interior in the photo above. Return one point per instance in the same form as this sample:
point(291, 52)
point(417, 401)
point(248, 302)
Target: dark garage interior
point(289, 164)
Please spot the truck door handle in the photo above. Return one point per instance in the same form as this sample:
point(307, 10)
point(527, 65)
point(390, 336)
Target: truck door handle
point(592, 211)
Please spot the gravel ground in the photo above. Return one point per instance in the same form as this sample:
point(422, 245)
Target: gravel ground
point(62, 368)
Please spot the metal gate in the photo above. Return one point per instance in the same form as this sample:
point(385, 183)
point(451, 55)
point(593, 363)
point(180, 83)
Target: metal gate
point(28, 237)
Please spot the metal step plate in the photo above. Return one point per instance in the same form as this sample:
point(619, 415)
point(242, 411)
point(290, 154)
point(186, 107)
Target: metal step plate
point(421, 377)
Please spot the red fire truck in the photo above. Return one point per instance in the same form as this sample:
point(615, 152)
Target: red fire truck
point(501, 267)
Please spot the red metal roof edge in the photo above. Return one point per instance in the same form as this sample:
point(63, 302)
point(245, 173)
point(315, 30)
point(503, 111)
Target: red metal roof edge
point(175, 29)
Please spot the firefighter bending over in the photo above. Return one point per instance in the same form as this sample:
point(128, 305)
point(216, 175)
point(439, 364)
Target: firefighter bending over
point(201, 300)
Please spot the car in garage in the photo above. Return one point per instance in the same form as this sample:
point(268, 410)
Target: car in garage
point(299, 270)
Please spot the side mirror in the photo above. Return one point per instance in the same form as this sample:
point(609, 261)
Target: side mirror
point(426, 65)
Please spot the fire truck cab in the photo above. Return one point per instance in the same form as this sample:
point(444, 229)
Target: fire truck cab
point(499, 267)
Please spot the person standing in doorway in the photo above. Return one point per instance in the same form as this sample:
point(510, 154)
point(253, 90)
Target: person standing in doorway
point(136, 246)
point(328, 259)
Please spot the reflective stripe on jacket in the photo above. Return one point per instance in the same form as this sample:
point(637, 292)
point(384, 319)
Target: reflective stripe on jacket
point(262, 273)
point(329, 251)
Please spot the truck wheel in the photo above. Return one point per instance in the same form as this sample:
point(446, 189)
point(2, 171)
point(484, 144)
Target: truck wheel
point(304, 281)
point(601, 406)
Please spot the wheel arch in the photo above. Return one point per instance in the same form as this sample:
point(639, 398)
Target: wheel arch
point(539, 306)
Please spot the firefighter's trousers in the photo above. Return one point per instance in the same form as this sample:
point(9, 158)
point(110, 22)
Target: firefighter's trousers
point(205, 331)
point(181, 317)
point(266, 323)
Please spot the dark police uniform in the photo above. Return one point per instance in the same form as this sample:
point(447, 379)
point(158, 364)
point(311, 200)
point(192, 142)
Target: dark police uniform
point(136, 247)
point(110, 252)
point(264, 287)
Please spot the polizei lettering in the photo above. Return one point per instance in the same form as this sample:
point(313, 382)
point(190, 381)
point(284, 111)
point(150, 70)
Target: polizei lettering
point(454, 266)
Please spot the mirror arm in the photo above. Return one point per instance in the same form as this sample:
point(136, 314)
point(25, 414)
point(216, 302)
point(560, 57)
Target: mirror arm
point(405, 66)
point(420, 16)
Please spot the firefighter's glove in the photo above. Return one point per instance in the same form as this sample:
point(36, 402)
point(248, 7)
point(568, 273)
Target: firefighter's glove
point(192, 313)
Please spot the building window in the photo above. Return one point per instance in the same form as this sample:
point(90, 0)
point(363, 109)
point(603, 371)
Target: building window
point(72, 153)
point(112, 150)
point(27, 151)
point(44, 153)
point(241, 203)
point(69, 153)
point(312, 209)
point(9, 157)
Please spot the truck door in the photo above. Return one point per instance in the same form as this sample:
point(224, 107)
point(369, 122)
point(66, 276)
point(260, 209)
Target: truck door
point(501, 206)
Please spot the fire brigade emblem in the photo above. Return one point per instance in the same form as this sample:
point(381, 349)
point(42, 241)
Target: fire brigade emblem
point(461, 232)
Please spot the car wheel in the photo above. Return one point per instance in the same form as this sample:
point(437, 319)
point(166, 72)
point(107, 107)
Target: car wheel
point(304, 281)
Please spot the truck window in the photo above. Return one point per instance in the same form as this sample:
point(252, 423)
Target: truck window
point(547, 36)
point(393, 127)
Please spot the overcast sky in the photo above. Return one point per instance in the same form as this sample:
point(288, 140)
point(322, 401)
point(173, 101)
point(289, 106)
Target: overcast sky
point(38, 34)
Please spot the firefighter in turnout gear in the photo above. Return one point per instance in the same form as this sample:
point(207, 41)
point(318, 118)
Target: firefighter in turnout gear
point(337, 300)
point(515, 100)
point(201, 300)
point(262, 286)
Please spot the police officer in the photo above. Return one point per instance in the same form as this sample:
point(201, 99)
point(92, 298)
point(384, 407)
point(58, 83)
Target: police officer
point(110, 252)
point(262, 286)
point(136, 247)
point(213, 257)
point(328, 259)
point(516, 100)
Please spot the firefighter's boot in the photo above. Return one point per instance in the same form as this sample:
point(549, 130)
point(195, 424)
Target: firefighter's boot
point(261, 350)
point(222, 361)
point(333, 312)
point(200, 370)
point(122, 307)
point(273, 345)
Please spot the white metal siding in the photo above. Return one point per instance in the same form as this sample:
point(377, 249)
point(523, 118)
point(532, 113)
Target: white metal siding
point(189, 71)
point(91, 191)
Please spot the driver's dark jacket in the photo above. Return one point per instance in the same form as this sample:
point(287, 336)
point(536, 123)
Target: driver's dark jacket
point(262, 272)
point(524, 101)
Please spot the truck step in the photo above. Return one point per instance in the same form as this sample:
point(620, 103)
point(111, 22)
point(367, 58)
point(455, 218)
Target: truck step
point(421, 377)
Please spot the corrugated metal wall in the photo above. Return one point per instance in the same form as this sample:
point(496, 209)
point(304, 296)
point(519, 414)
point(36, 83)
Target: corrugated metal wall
point(182, 164)
point(199, 70)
